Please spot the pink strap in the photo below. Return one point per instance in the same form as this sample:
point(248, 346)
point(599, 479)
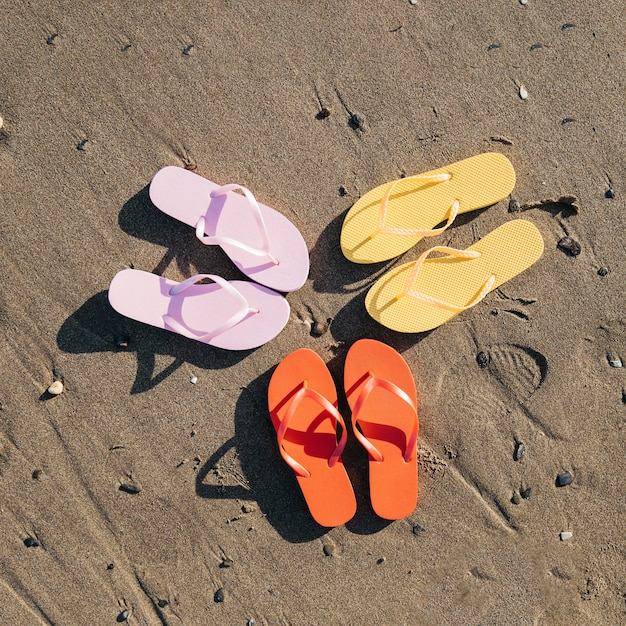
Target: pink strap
point(462, 254)
point(212, 240)
point(367, 389)
point(232, 321)
point(332, 412)
point(413, 232)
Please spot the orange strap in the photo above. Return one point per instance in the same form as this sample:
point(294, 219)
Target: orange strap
point(332, 412)
point(367, 389)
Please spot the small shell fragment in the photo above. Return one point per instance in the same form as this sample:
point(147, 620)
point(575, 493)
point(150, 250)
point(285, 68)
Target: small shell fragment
point(413, 2)
point(123, 616)
point(193, 380)
point(55, 388)
point(1, 122)
point(518, 453)
point(523, 1)
point(523, 93)
point(615, 362)
point(566, 535)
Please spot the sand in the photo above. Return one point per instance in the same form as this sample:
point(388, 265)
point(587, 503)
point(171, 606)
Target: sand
point(95, 99)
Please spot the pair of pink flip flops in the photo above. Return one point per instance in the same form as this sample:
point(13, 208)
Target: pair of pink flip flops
point(263, 244)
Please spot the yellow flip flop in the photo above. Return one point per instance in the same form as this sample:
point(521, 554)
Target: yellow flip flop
point(421, 295)
point(393, 217)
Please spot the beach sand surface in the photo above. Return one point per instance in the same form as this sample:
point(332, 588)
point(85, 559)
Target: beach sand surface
point(137, 495)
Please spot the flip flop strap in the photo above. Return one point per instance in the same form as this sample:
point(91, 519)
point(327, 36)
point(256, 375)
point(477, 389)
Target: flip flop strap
point(232, 321)
point(306, 392)
point(414, 232)
point(215, 240)
point(364, 394)
point(462, 254)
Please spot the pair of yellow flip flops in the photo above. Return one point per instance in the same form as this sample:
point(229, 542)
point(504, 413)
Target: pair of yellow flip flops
point(390, 219)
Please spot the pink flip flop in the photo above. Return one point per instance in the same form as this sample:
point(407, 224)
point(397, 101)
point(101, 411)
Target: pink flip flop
point(235, 315)
point(261, 242)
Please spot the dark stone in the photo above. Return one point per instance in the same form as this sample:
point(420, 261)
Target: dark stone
point(220, 595)
point(526, 493)
point(130, 488)
point(162, 604)
point(29, 542)
point(569, 245)
point(564, 479)
point(323, 114)
point(609, 193)
point(482, 359)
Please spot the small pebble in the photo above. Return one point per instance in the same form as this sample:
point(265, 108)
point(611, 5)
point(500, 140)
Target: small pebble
point(609, 193)
point(123, 616)
point(329, 549)
point(29, 542)
point(1, 122)
point(616, 362)
point(482, 359)
point(518, 453)
point(418, 530)
point(121, 342)
point(526, 493)
point(603, 271)
point(356, 122)
point(523, 1)
point(110, 566)
point(514, 205)
point(566, 535)
point(226, 562)
point(564, 479)
point(515, 499)
point(55, 388)
point(323, 113)
point(569, 245)
point(220, 595)
point(162, 603)
point(193, 380)
point(36, 475)
point(130, 488)
point(251, 622)
point(413, 2)
point(319, 328)
point(248, 508)
point(381, 560)
point(343, 191)
point(523, 92)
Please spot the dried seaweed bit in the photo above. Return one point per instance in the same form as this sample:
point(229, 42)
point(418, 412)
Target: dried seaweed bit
point(36, 475)
point(188, 49)
point(564, 479)
point(624, 396)
point(518, 453)
point(482, 359)
point(500, 139)
point(568, 25)
point(567, 120)
point(343, 191)
point(569, 245)
point(536, 46)
point(493, 46)
point(514, 206)
point(220, 595)
point(51, 39)
point(418, 530)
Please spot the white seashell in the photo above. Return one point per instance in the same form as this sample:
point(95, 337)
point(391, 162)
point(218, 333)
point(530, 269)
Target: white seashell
point(193, 380)
point(523, 1)
point(616, 362)
point(523, 94)
point(412, 1)
point(55, 388)
point(566, 535)
point(1, 122)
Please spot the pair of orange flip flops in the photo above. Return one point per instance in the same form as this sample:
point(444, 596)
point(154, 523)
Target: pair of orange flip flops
point(312, 434)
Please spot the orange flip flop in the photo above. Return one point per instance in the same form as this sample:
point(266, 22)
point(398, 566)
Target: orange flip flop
point(381, 393)
point(302, 401)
